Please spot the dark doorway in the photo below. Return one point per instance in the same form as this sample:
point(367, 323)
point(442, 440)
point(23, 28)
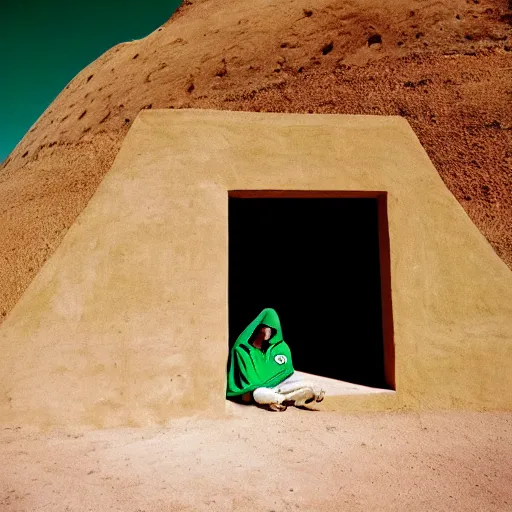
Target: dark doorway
point(318, 260)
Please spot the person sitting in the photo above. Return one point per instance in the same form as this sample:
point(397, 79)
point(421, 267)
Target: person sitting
point(261, 369)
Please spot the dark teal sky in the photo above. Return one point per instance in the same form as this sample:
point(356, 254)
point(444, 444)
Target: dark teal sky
point(45, 43)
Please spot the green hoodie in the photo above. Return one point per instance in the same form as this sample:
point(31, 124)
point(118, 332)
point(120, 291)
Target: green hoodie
point(252, 368)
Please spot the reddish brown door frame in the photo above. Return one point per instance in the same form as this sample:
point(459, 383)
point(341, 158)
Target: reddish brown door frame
point(384, 253)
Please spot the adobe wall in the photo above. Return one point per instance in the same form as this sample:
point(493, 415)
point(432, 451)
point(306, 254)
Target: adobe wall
point(126, 324)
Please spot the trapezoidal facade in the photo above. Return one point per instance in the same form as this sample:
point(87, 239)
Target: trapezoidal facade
point(128, 322)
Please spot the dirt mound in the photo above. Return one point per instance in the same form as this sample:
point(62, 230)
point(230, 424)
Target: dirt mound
point(445, 66)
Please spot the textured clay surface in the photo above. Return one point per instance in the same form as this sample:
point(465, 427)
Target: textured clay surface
point(126, 324)
point(445, 66)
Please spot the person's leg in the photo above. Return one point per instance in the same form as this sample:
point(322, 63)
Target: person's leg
point(294, 388)
point(267, 396)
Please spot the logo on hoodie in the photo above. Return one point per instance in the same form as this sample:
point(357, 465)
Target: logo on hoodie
point(280, 359)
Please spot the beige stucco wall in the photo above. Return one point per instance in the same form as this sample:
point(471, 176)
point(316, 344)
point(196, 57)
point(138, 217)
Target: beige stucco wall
point(126, 324)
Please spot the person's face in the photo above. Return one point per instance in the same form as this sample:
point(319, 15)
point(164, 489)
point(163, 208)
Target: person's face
point(266, 333)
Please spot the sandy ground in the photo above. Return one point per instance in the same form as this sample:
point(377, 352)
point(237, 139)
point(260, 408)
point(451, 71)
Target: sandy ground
point(262, 461)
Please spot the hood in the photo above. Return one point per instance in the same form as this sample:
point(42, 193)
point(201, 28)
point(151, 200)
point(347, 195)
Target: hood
point(267, 317)
point(249, 367)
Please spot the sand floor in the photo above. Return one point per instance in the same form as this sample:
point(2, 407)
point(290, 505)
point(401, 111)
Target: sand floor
point(262, 461)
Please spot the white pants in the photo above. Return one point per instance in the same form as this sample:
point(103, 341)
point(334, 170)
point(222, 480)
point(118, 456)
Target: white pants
point(279, 393)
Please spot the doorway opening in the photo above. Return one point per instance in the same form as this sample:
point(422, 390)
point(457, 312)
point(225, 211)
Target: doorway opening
point(321, 260)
